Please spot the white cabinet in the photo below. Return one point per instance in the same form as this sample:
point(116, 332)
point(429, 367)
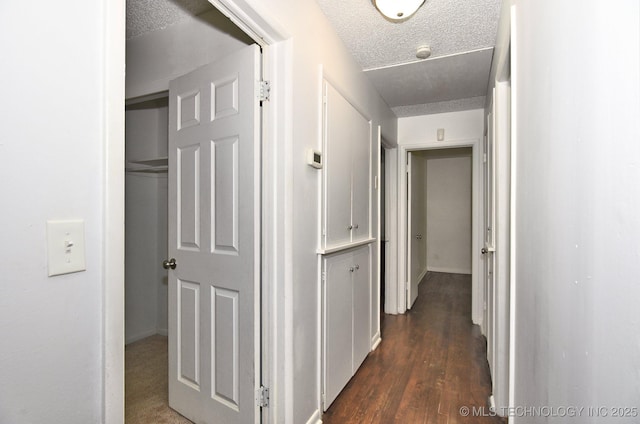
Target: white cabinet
point(346, 326)
point(347, 172)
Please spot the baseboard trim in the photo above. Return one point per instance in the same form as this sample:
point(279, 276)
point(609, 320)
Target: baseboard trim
point(316, 418)
point(422, 274)
point(449, 270)
point(140, 336)
point(145, 334)
point(376, 341)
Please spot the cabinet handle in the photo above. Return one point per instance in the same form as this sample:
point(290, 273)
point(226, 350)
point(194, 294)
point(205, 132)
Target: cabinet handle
point(357, 266)
point(351, 269)
point(356, 226)
point(350, 227)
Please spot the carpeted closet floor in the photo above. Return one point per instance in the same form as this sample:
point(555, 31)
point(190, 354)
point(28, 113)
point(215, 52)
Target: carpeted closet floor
point(146, 383)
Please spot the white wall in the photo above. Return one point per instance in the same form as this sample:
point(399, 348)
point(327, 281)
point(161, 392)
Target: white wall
point(51, 167)
point(577, 141)
point(145, 223)
point(155, 58)
point(463, 125)
point(449, 210)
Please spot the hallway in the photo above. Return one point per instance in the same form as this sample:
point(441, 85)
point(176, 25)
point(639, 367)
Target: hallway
point(430, 365)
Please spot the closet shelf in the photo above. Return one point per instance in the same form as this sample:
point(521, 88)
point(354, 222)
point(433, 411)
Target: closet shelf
point(154, 165)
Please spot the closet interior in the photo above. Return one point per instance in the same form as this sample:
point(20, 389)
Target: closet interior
point(146, 135)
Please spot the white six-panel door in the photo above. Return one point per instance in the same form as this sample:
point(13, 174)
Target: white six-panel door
point(417, 223)
point(214, 171)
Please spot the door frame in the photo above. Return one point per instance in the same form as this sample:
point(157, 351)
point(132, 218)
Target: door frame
point(399, 286)
point(275, 207)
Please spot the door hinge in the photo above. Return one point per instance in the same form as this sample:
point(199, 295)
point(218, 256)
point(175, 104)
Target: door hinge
point(324, 275)
point(264, 91)
point(262, 397)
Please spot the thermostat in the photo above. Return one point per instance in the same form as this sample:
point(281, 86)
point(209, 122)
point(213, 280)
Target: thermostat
point(314, 158)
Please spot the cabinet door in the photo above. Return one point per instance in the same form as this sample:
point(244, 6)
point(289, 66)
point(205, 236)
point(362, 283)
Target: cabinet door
point(361, 305)
point(360, 177)
point(338, 114)
point(338, 332)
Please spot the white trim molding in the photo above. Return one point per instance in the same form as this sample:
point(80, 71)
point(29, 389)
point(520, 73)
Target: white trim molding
point(113, 212)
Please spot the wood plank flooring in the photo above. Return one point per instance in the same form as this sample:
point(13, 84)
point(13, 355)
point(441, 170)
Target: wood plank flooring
point(430, 364)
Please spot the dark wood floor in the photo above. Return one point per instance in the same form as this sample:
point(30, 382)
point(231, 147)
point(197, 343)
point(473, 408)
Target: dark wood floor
point(430, 365)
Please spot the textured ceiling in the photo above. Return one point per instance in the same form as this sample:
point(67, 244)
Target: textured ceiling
point(461, 34)
point(451, 27)
point(150, 15)
point(440, 80)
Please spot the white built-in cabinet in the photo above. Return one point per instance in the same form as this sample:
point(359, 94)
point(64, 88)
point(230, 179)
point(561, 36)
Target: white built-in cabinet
point(347, 173)
point(347, 288)
point(346, 238)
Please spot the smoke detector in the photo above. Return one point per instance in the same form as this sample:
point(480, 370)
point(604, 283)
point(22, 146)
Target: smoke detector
point(423, 52)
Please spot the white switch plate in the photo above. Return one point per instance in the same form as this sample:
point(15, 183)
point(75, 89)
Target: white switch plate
point(65, 247)
point(440, 134)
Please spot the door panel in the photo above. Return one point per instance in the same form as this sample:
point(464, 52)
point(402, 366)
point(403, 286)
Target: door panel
point(361, 174)
point(361, 306)
point(188, 186)
point(214, 237)
point(224, 156)
point(337, 168)
point(338, 330)
point(188, 334)
point(225, 339)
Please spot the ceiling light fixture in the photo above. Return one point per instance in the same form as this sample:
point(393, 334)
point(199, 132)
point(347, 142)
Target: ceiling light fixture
point(398, 10)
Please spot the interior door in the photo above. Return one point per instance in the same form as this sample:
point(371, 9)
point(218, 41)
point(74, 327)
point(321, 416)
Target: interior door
point(414, 236)
point(214, 180)
point(489, 242)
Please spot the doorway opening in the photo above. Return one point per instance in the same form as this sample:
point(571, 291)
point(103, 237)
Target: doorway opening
point(400, 285)
point(153, 59)
point(439, 218)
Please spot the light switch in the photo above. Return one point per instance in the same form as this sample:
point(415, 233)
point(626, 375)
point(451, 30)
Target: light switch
point(65, 247)
point(440, 134)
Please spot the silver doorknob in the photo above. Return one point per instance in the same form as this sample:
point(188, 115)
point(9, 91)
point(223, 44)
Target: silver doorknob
point(169, 263)
point(484, 250)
